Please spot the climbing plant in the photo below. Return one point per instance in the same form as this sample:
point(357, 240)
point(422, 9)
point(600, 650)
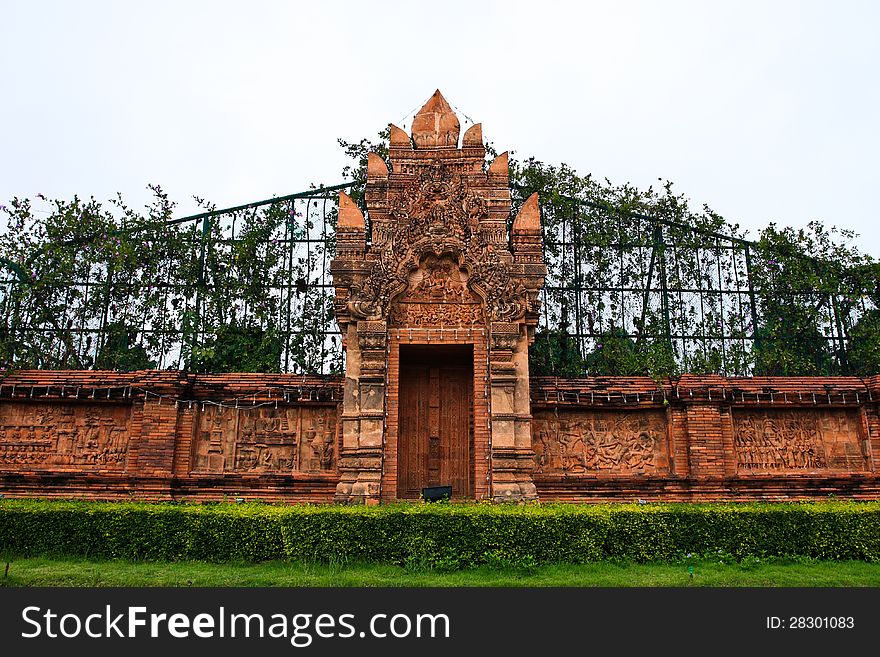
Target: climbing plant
point(92, 285)
point(639, 282)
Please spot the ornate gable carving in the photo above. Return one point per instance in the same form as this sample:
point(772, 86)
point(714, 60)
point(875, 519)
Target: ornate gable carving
point(437, 294)
point(439, 214)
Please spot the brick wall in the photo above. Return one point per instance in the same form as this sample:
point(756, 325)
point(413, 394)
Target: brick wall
point(167, 435)
point(720, 438)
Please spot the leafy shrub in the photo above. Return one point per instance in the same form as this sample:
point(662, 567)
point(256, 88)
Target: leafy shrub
point(444, 537)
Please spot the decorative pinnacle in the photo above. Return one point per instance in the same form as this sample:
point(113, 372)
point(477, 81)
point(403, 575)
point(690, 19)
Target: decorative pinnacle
point(529, 216)
point(350, 215)
point(436, 125)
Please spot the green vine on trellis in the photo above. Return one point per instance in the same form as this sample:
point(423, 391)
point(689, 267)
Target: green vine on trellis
point(639, 283)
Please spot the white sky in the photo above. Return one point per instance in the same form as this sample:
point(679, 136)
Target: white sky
point(767, 111)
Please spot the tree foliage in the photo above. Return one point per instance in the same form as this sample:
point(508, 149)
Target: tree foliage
point(58, 254)
point(813, 286)
point(639, 282)
point(91, 285)
point(650, 285)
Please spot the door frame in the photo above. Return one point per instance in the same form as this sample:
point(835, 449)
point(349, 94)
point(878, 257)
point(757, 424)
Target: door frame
point(477, 339)
point(441, 451)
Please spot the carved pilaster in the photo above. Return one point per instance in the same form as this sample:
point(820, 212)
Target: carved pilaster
point(512, 454)
point(363, 417)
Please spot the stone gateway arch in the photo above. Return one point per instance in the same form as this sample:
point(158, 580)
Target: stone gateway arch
point(436, 296)
point(437, 305)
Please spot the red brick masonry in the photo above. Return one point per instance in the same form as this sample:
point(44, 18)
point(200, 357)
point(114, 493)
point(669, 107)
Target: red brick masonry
point(706, 438)
point(170, 435)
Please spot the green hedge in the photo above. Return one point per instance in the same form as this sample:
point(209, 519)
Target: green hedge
point(439, 535)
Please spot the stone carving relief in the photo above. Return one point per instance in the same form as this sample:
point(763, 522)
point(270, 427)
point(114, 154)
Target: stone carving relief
point(40, 435)
point(439, 216)
point(439, 280)
point(777, 440)
point(265, 440)
point(441, 205)
point(437, 294)
point(433, 315)
point(599, 441)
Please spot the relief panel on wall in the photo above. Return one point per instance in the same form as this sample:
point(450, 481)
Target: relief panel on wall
point(41, 435)
point(577, 442)
point(806, 439)
point(265, 440)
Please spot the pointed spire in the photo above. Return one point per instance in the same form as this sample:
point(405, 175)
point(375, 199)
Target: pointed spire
point(398, 138)
point(529, 216)
point(500, 166)
point(473, 136)
point(376, 167)
point(436, 125)
point(350, 215)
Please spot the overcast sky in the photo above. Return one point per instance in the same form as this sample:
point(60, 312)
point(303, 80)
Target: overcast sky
point(766, 111)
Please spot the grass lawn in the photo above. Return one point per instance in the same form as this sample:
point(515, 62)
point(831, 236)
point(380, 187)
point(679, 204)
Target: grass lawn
point(76, 572)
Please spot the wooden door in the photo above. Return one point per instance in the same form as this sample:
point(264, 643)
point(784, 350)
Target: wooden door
point(435, 428)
